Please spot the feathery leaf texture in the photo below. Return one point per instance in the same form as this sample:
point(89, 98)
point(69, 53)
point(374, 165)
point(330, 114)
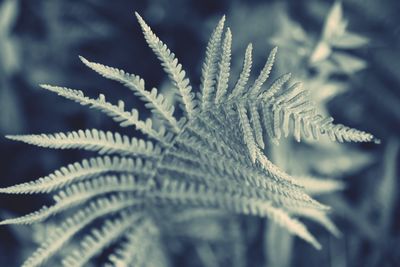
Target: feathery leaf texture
point(171, 66)
point(224, 68)
point(77, 171)
point(210, 65)
point(156, 102)
point(83, 217)
point(211, 158)
point(93, 140)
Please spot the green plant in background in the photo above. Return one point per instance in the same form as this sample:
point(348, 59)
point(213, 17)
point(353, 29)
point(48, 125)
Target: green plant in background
point(320, 61)
point(210, 160)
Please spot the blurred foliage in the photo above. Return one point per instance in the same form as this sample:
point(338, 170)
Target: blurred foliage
point(347, 55)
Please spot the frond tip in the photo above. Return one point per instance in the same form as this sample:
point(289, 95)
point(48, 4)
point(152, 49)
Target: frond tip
point(171, 66)
point(118, 113)
point(155, 101)
point(209, 68)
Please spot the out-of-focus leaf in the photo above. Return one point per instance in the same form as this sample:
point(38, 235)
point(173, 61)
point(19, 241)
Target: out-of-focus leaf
point(386, 191)
point(9, 54)
point(8, 15)
point(348, 40)
point(334, 23)
point(10, 116)
point(279, 246)
point(321, 52)
point(336, 162)
point(323, 90)
point(349, 64)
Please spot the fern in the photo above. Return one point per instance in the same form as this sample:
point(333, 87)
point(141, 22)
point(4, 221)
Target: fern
point(93, 140)
point(211, 158)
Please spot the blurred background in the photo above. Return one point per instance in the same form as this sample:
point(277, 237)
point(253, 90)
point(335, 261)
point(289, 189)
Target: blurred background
point(346, 53)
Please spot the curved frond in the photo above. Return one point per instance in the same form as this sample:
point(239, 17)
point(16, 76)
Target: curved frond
point(247, 133)
point(139, 239)
point(210, 64)
point(210, 160)
point(81, 170)
point(154, 100)
point(171, 66)
point(239, 88)
point(93, 140)
point(83, 217)
point(318, 217)
point(294, 105)
point(181, 193)
point(256, 123)
point(264, 74)
point(98, 239)
point(79, 193)
point(118, 113)
point(224, 68)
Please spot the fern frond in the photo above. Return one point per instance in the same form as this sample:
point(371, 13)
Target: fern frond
point(318, 217)
point(210, 159)
point(118, 113)
point(98, 239)
point(93, 140)
point(293, 104)
point(267, 120)
point(199, 195)
point(138, 240)
point(276, 86)
point(72, 225)
point(257, 128)
point(210, 65)
point(171, 66)
point(154, 100)
point(224, 68)
point(81, 170)
point(316, 186)
point(79, 193)
point(247, 132)
point(229, 173)
point(238, 90)
point(264, 74)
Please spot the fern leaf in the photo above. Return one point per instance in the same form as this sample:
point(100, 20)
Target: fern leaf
point(93, 140)
point(77, 194)
point(267, 120)
point(98, 239)
point(316, 186)
point(78, 171)
point(247, 133)
point(264, 74)
point(93, 210)
point(238, 90)
point(209, 68)
point(171, 66)
point(276, 86)
point(290, 224)
point(317, 216)
point(138, 240)
point(118, 113)
point(155, 101)
point(257, 128)
point(199, 195)
point(275, 188)
point(224, 68)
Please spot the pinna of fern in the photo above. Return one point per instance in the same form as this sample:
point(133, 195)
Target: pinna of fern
point(212, 157)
